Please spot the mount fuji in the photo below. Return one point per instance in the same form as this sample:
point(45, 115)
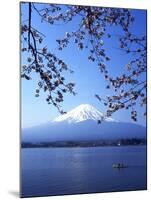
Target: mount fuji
point(82, 113)
point(81, 124)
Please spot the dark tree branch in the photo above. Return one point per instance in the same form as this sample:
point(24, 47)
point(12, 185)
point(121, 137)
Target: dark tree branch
point(29, 24)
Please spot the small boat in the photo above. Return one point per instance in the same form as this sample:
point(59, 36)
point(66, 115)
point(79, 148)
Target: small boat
point(119, 166)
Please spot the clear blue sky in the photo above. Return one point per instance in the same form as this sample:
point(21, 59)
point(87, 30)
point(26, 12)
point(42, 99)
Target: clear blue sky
point(89, 81)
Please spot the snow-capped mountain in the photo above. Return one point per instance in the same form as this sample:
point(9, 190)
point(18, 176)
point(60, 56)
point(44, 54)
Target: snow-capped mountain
point(81, 113)
point(80, 124)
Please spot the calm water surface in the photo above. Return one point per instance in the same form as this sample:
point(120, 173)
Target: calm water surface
point(58, 171)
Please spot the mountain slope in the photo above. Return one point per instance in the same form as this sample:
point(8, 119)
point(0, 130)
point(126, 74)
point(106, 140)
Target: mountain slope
point(86, 130)
point(81, 124)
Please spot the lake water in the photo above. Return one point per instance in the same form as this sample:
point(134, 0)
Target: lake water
point(58, 171)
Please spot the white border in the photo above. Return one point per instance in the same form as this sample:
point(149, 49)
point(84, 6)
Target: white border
point(9, 98)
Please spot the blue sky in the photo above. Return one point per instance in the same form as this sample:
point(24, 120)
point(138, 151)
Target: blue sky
point(89, 81)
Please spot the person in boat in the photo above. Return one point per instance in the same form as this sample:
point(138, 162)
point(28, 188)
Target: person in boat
point(119, 165)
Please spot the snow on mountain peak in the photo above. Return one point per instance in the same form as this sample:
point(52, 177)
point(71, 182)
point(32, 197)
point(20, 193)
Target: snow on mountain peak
point(81, 113)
